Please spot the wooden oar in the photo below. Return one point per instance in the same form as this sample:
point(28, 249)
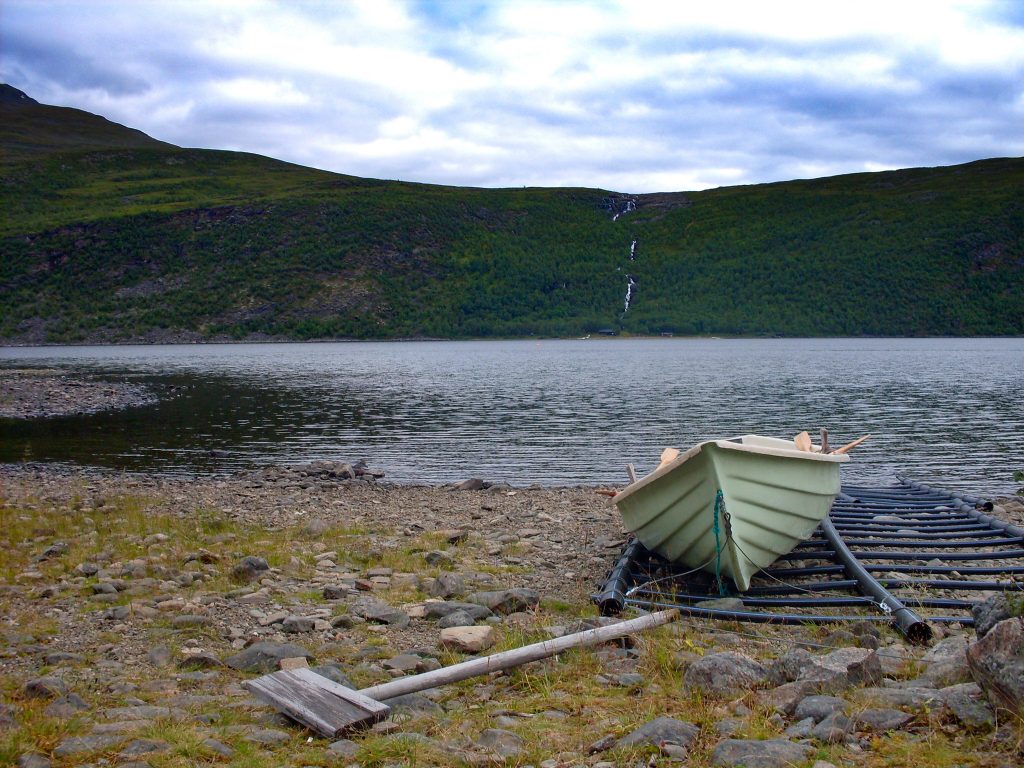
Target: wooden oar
point(851, 445)
point(331, 709)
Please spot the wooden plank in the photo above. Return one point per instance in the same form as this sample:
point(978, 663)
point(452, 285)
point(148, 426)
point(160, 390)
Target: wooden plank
point(315, 702)
point(356, 698)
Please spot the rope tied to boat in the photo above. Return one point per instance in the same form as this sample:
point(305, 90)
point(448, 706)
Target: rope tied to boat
point(719, 504)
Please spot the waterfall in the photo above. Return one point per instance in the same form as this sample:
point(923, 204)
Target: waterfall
point(630, 206)
point(632, 251)
point(630, 289)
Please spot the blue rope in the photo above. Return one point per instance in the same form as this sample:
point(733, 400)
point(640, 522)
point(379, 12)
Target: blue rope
point(718, 545)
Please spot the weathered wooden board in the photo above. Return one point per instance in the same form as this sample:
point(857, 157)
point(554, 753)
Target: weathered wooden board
point(318, 703)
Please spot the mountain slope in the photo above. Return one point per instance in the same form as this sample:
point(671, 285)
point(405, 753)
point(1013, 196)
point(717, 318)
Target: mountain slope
point(133, 239)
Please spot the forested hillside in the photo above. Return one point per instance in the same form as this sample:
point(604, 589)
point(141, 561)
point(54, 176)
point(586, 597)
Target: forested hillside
point(109, 235)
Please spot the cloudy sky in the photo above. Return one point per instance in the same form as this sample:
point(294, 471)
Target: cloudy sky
point(630, 95)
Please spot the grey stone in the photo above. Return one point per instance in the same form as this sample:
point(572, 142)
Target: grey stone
point(819, 707)
point(343, 748)
point(602, 745)
point(265, 657)
point(250, 568)
point(441, 609)
point(914, 698)
point(990, 612)
point(833, 729)
point(800, 729)
point(7, 719)
point(404, 662)
point(78, 745)
point(628, 680)
point(63, 657)
point(854, 666)
point(661, 730)
point(997, 664)
point(791, 666)
point(219, 748)
point(414, 705)
point(57, 549)
point(507, 601)
point(881, 720)
point(139, 712)
point(385, 614)
point(143, 747)
point(159, 656)
point(456, 619)
point(753, 753)
point(336, 592)
point(501, 742)
point(45, 687)
point(295, 625)
point(267, 736)
point(724, 673)
point(472, 484)
point(947, 662)
point(448, 584)
point(190, 620)
point(333, 672)
point(438, 558)
point(968, 705)
point(66, 706)
point(33, 760)
point(203, 660)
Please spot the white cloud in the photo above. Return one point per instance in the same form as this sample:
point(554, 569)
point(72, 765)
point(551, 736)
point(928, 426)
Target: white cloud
point(609, 93)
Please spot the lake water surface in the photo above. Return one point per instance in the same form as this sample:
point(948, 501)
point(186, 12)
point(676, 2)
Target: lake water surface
point(945, 411)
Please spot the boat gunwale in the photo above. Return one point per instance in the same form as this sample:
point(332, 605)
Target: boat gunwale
point(732, 444)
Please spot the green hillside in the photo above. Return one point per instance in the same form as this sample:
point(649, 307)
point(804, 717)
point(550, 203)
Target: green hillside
point(109, 235)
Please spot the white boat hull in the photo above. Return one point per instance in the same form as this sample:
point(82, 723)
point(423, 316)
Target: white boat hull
point(773, 498)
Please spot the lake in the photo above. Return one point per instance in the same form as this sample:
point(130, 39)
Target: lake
point(554, 412)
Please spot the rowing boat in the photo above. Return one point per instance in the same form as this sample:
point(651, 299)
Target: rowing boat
point(732, 507)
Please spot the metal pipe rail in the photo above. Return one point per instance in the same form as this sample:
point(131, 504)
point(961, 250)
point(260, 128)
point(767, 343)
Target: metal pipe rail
point(871, 539)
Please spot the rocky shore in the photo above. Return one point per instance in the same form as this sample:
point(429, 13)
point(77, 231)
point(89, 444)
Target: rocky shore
point(30, 393)
point(135, 607)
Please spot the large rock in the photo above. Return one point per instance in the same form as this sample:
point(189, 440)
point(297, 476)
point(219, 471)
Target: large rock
point(661, 731)
point(437, 610)
point(501, 742)
point(997, 664)
point(379, 612)
point(819, 707)
point(45, 688)
point(752, 753)
point(834, 671)
point(507, 601)
point(852, 666)
point(882, 720)
point(833, 729)
point(990, 612)
point(448, 584)
point(250, 568)
point(724, 673)
point(947, 662)
point(968, 705)
point(912, 697)
point(265, 657)
point(468, 639)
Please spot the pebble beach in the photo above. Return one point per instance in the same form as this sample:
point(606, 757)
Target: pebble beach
point(134, 607)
